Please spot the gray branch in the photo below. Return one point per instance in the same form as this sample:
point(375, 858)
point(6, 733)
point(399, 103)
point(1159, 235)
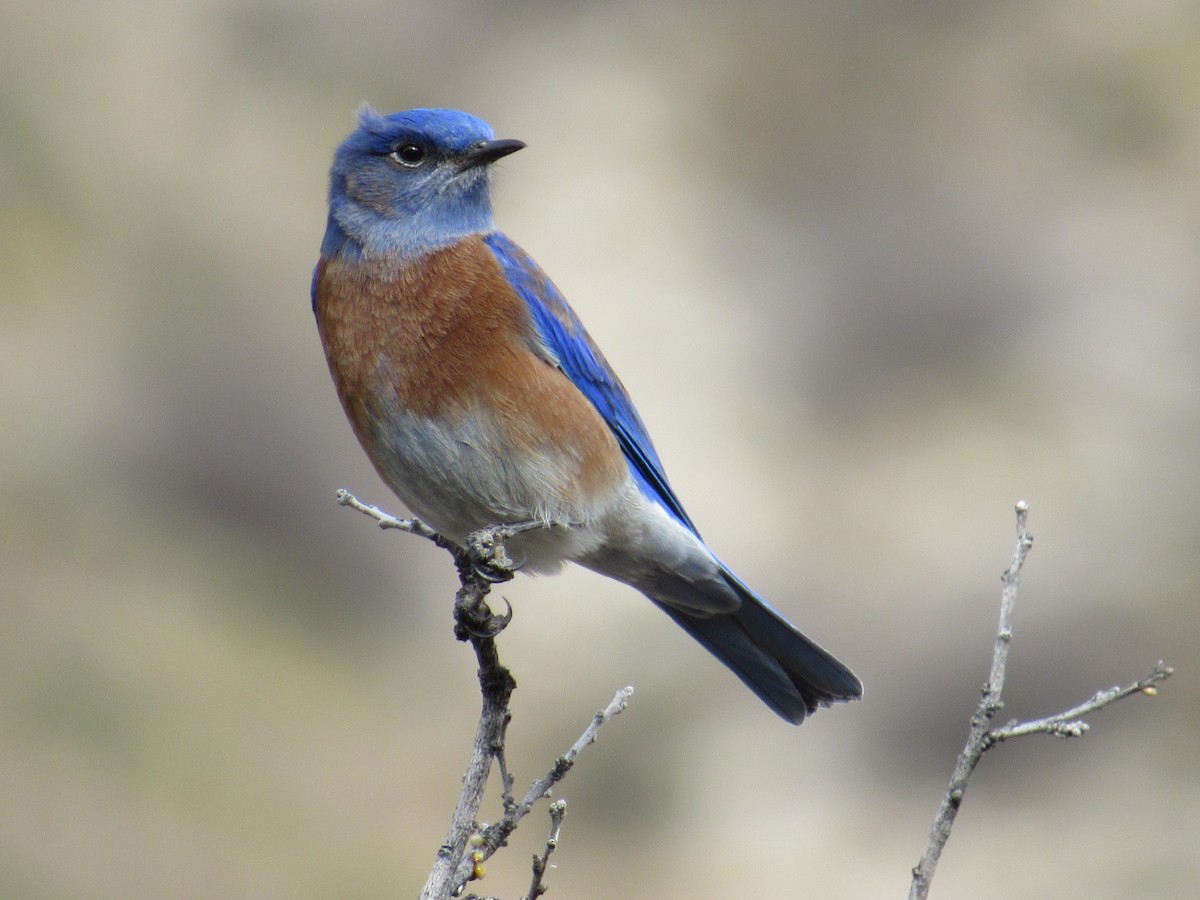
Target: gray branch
point(982, 737)
point(482, 563)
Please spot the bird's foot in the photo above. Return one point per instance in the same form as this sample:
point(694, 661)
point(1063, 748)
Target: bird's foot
point(478, 620)
point(489, 554)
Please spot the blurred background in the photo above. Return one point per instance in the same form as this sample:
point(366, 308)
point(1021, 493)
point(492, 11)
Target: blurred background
point(872, 271)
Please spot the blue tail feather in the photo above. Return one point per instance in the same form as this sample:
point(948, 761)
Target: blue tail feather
point(788, 672)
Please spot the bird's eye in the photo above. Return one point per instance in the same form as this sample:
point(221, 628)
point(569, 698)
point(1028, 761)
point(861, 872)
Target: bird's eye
point(409, 154)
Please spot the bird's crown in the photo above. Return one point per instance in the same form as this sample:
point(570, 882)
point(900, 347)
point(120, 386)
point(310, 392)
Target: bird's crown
point(447, 132)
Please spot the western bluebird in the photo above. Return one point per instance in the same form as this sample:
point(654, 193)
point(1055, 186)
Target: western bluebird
point(481, 400)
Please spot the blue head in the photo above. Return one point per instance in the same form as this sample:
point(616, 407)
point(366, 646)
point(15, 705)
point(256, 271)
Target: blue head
point(411, 182)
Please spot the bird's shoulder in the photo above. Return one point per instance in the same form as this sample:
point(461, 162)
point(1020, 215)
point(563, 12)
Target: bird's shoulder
point(564, 342)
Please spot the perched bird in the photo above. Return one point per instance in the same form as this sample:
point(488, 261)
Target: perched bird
point(481, 400)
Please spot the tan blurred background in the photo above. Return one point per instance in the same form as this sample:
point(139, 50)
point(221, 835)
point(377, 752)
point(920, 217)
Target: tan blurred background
point(872, 271)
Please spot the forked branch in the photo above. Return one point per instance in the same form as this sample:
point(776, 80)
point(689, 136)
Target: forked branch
point(983, 737)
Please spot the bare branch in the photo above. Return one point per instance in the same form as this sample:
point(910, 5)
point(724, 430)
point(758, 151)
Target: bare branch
point(982, 737)
point(558, 811)
point(495, 835)
point(1011, 580)
point(1069, 722)
point(474, 622)
point(484, 561)
point(989, 704)
point(385, 520)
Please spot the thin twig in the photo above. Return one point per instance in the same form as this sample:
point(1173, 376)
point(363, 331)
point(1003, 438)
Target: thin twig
point(1069, 723)
point(495, 835)
point(385, 520)
point(982, 737)
point(537, 887)
point(989, 704)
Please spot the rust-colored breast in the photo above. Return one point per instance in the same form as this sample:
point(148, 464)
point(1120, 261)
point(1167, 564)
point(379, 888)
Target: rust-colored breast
point(447, 338)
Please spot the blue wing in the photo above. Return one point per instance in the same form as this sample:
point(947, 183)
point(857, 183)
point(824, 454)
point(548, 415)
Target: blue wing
point(566, 344)
point(788, 671)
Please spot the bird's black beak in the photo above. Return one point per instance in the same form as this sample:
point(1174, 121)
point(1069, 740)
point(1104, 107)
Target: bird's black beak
point(486, 152)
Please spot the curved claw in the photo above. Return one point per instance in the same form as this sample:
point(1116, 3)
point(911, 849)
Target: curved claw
point(490, 572)
point(494, 623)
point(501, 622)
point(488, 554)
